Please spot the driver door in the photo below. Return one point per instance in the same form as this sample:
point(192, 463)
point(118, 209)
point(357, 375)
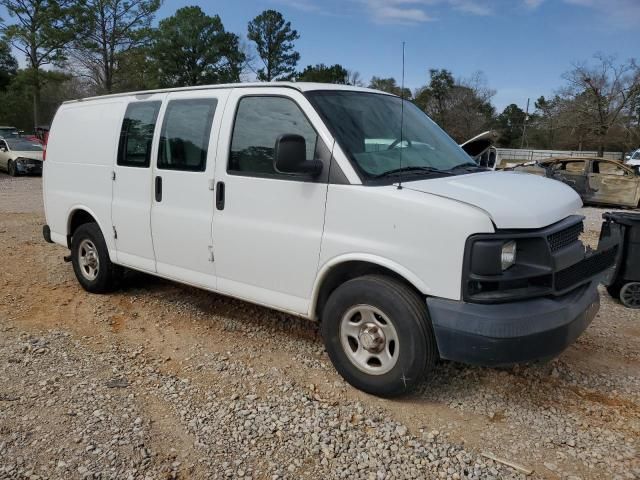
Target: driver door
point(267, 226)
point(612, 183)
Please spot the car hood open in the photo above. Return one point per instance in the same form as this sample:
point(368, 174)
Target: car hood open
point(511, 199)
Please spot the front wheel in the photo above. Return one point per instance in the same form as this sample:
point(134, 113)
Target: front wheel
point(378, 335)
point(12, 169)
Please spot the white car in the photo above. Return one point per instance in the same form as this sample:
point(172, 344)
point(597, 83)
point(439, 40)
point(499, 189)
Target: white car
point(20, 156)
point(633, 160)
point(309, 199)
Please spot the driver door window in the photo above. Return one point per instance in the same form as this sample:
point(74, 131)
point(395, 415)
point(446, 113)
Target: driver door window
point(258, 124)
point(608, 168)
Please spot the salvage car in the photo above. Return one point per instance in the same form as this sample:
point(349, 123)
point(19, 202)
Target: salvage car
point(598, 181)
point(481, 148)
point(633, 160)
point(20, 156)
point(308, 198)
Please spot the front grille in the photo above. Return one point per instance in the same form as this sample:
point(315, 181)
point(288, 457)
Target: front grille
point(31, 161)
point(575, 274)
point(566, 237)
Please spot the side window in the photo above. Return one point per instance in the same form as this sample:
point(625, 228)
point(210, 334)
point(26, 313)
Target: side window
point(136, 136)
point(608, 168)
point(184, 138)
point(574, 167)
point(259, 122)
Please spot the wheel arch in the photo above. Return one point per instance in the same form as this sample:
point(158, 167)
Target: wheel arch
point(79, 215)
point(341, 269)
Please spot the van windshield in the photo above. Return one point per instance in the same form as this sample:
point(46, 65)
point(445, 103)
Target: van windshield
point(367, 127)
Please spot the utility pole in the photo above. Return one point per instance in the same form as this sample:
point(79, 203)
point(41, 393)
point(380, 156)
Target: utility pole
point(524, 125)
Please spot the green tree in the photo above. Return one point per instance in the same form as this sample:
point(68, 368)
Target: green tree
point(389, 85)
point(16, 101)
point(274, 39)
point(8, 65)
point(546, 123)
point(192, 48)
point(111, 28)
point(42, 31)
point(435, 97)
point(136, 70)
point(510, 124)
point(324, 74)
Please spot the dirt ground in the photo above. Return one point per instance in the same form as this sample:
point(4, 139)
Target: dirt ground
point(159, 380)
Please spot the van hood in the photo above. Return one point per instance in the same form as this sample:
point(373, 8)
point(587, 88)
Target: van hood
point(511, 199)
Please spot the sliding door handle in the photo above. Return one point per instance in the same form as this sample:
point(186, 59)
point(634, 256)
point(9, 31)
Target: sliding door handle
point(220, 195)
point(158, 189)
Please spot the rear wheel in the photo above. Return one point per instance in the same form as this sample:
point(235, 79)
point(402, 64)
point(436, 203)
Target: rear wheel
point(378, 335)
point(12, 169)
point(630, 295)
point(90, 259)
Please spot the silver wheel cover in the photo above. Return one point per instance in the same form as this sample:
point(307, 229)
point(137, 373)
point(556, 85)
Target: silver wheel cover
point(369, 339)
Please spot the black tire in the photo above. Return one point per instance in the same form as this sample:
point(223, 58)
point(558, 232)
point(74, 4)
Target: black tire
point(407, 312)
point(11, 168)
point(107, 273)
point(614, 290)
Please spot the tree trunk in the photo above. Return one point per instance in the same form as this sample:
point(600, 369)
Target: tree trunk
point(36, 98)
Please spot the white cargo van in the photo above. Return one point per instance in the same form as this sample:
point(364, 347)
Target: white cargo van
point(329, 202)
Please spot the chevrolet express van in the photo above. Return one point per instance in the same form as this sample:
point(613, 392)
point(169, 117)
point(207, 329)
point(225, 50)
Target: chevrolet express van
point(334, 203)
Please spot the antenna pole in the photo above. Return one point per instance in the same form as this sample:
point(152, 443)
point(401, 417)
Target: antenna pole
point(401, 115)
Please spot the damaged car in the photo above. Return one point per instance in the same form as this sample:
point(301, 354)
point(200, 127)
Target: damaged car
point(482, 150)
point(598, 181)
point(20, 156)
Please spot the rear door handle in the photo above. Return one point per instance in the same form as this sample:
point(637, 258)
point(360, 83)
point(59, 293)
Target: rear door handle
point(158, 189)
point(220, 195)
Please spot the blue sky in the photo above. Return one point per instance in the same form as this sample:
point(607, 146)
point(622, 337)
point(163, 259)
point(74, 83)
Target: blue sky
point(522, 46)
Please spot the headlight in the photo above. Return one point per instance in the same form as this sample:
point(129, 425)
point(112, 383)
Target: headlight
point(508, 256)
point(20, 160)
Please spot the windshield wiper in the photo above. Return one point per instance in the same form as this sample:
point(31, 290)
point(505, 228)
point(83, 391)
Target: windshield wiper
point(412, 170)
point(465, 165)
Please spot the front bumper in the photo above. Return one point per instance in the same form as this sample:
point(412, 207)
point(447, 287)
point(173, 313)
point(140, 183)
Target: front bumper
point(516, 332)
point(31, 167)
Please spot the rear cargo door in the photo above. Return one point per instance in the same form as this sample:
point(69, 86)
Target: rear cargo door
point(183, 197)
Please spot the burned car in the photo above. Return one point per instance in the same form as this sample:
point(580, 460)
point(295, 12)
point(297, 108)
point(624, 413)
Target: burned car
point(597, 180)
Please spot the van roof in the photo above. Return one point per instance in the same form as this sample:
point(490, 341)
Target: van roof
point(300, 86)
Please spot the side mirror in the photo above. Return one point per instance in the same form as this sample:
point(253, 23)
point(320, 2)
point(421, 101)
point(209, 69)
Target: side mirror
point(290, 156)
point(3, 148)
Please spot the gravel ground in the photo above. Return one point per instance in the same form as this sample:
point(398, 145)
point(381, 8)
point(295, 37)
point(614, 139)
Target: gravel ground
point(159, 380)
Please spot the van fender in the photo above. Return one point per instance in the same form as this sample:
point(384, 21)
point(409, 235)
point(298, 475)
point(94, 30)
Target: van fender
point(395, 267)
point(108, 239)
